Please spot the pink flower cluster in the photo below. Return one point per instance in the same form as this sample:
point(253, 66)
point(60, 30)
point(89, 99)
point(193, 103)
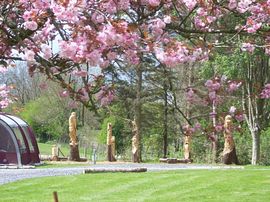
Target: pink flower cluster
point(266, 92)
point(3, 69)
point(203, 20)
point(80, 73)
point(190, 4)
point(64, 94)
point(238, 115)
point(188, 130)
point(248, 47)
point(4, 96)
point(105, 96)
point(178, 53)
point(190, 95)
point(233, 86)
point(212, 85)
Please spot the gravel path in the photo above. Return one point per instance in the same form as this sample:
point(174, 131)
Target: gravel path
point(11, 175)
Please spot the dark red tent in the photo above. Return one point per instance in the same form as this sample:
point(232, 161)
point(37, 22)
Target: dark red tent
point(18, 144)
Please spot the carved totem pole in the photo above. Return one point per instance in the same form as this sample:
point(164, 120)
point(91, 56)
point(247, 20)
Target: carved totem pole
point(110, 144)
point(229, 152)
point(187, 144)
point(135, 143)
point(74, 150)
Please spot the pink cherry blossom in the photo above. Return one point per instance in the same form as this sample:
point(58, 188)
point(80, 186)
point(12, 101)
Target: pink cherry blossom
point(167, 19)
point(64, 94)
point(80, 73)
point(98, 18)
point(267, 51)
point(123, 4)
point(46, 50)
point(197, 126)
point(4, 96)
point(232, 109)
point(190, 4)
point(219, 128)
point(105, 96)
point(190, 95)
point(239, 117)
point(212, 95)
point(32, 25)
point(233, 86)
point(154, 3)
point(243, 5)
point(3, 69)
point(83, 95)
point(265, 92)
point(248, 47)
point(73, 105)
point(232, 4)
point(29, 56)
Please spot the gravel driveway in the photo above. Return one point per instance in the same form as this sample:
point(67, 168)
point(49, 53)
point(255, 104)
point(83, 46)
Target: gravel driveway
point(11, 175)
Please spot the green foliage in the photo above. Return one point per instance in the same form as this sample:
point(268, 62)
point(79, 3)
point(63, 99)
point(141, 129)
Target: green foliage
point(265, 148)
point(47, 118)
point(117, 130)
point(152, 146)
point(224, 64)
point(243, 144)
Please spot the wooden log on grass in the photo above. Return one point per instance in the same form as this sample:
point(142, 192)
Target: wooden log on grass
point(172, 160)
point(163, 160)
point(120, 170)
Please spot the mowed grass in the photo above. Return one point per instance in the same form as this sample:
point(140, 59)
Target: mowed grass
point(185, 185)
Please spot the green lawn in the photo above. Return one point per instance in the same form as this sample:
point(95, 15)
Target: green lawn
point(186, 185)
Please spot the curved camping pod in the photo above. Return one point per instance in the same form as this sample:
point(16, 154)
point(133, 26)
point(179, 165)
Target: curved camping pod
point(18, 144)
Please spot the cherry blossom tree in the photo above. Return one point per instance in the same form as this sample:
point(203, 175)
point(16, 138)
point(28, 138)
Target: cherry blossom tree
point(68, 39)
point(218, 91)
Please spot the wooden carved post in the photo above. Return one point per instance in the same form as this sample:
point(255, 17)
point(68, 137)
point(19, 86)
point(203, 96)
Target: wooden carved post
point(187, 144)
point(110, 155)
point(113, 146)
point(74, 149)
point(135, 143)
point(55, 152)
point(229, 152)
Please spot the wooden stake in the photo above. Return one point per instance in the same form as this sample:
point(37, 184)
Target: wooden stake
point(55, 197)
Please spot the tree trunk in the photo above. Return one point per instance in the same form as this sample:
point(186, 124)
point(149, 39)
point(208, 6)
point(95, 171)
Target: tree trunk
point(136, 158)
point(165, 123)
point(255, 147)
point(215, 137)
point(110, 155)
point(257, 74)
point(214, 151)
point(74, 153)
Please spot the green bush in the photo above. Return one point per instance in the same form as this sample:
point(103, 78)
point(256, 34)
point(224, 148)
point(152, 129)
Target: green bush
point(117, 130)
point(48, 120)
